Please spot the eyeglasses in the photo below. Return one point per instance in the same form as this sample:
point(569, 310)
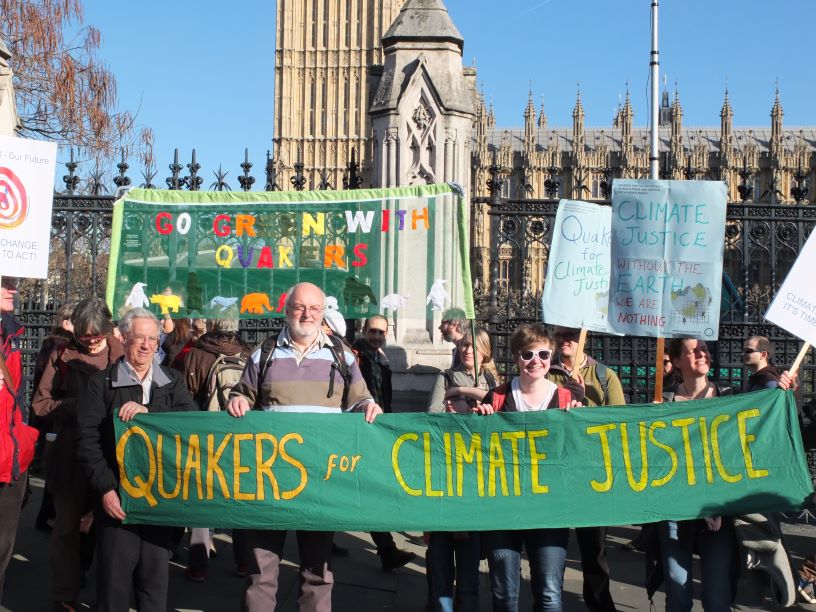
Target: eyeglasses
point(748, 351)
point(151, 340)
point(543, 355)
point(299, 309)
point(91, 339)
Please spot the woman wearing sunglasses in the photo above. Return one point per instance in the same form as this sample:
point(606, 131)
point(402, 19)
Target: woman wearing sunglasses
point(532, 349)
point(64, 378)
point(456, 555)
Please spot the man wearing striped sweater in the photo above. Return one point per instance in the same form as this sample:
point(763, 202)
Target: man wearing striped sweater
point(302, 354)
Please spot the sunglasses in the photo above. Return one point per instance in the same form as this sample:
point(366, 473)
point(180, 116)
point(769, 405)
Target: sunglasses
point(543, 355)
point(748, 351)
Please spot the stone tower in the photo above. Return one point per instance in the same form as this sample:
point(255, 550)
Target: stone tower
point(423, 101)
point(323, 51)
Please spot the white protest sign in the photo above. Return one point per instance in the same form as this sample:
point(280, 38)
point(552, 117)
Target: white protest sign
point(794, 307)
point(667, 254)
point(576, 291)
point(26, 195)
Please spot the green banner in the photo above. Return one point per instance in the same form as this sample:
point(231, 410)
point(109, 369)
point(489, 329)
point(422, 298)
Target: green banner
point(588, 466)
point(217, 254)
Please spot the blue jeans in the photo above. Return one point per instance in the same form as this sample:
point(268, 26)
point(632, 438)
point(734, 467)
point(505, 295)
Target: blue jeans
point(547, 552)
point(443, 548)
point(677, 545)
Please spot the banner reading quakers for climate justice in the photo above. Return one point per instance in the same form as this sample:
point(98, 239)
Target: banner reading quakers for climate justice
point(26, 197)
point(223, 254)
point(449, 472)
point(667, 252)
point(576, 293)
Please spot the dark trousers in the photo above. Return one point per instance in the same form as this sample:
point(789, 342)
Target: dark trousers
point(11, 499)
point(592, 543)
point(134, 556)
point(316, 579)
point(67, 564)
point(384, 541)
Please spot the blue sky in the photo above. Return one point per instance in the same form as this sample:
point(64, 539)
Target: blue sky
point(202, 74)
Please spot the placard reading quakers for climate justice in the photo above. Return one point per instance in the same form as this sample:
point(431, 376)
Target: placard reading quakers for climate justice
point(576, 293)
point(452, 472)
point(26, 197)
point(667, 253)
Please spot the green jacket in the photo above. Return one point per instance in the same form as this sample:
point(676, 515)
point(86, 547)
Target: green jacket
point(596, 394)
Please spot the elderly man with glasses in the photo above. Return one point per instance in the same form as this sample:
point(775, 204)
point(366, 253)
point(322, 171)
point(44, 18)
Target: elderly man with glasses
point(129, 556)
point(298, 371)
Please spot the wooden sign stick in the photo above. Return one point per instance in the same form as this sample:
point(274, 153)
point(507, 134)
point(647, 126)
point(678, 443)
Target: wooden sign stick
point(658, 388)
point(798, 361)
point(579, 354)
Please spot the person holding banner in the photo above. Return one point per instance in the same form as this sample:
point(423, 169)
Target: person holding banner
point(128, 556)
point(298, 371)
point(14, 433)
point(65, 376)
point(456, 555)
point(602, 387)
point(532, 349)
point(713, 537)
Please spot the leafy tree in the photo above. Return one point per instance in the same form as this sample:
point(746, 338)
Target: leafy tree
point(63, 91)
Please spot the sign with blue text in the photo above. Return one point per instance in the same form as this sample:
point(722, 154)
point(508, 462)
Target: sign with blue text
point(576, 292)
point(666, 257)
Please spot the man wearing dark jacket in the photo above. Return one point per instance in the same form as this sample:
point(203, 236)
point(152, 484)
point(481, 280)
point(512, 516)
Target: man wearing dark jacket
point(128, 554)
point(376, 372)
point(602, 387)
point(757, 355)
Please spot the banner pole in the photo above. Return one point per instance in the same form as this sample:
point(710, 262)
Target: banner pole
point(579, 354)
point(798, 361)
point(661, 351)
point(473, 340)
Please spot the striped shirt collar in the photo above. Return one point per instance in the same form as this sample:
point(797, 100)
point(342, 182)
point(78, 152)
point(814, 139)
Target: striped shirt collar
point(285, 340)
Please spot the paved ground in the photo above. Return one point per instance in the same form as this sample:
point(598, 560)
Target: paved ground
point(361, 585)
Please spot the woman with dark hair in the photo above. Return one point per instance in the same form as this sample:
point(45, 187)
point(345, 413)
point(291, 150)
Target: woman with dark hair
point(532, 349)
point(61, 334)
point(65, 376)
point(713, 537)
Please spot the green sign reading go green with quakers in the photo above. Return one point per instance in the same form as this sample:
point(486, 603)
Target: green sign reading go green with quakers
point(588, 466)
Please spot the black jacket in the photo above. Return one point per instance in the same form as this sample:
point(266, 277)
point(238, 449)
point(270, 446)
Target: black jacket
point(107, 391)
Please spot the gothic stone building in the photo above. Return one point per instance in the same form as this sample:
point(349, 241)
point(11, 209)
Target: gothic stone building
point(385, 78)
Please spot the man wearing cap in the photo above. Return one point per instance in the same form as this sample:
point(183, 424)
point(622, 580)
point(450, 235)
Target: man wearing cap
point(301, 352)
point(602, 388)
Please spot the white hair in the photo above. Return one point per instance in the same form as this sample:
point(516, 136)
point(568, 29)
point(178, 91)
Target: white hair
point(126, 322)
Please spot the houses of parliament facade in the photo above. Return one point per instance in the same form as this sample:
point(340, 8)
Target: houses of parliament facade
point(385, 79)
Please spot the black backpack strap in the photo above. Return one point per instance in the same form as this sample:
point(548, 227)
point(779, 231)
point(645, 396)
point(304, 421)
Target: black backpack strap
point(602, 372)
point(339, 363)
point(267, 349)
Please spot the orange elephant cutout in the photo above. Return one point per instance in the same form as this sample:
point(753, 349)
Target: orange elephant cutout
point(255, 303)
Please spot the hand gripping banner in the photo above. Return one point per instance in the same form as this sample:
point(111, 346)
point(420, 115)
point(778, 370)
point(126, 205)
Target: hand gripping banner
point(225, 254)
point(448, 472)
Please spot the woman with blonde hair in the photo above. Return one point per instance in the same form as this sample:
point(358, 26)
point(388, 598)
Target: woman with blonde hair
point(454, 556)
